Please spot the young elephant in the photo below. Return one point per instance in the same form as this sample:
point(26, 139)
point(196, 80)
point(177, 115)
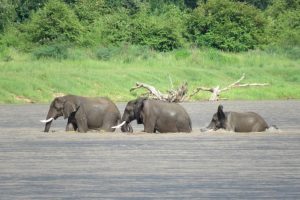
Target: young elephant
point(156, 115)
point(238, 122)
point(84, 113)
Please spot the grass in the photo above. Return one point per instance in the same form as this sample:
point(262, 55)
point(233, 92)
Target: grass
point(24, 78)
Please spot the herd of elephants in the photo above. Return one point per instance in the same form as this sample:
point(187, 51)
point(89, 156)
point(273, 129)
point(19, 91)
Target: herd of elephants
point(100, 113)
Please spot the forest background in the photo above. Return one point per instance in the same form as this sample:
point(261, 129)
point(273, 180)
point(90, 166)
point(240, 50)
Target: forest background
point(103, 47)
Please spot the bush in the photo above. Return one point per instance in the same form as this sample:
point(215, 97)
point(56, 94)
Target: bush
point(88, 11)
point(162, 32)
point(226, 25)
point(284, 26)
point(116, 28)
point(57, 51)
point(7, 13)
point(12, 37)
point(54, 22)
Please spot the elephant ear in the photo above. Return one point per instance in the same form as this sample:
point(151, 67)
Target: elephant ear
point(69, 108)
point(221, 115)
point(138, 107)
point(58, 102)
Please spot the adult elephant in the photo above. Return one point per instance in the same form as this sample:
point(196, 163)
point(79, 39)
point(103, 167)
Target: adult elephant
point(156, 115)
point(237, 122)
point(84, 113)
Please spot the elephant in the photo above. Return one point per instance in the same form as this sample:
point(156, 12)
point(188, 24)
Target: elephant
point(237, 122)
point(84, 113)
point(156, 115)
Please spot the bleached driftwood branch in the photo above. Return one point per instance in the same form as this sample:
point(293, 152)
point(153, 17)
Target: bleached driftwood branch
point(216, 91)
point(173, 95)
point(179, 94)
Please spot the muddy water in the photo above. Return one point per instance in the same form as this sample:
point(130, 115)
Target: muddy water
point(221, 165)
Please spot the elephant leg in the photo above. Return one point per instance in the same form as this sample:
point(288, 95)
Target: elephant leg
point(109, 121)
point(80, 118)
point(71, 125)
point(82, 124)
point(149, 126)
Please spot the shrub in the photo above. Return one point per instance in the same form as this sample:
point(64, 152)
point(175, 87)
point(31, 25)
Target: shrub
point(54, 22)
point(57, 51)
point(162, 32)
point(116, 28)
point(88, 11)
point(12, 37)
point(226, 25)
point(284, 26)
point(7, 13)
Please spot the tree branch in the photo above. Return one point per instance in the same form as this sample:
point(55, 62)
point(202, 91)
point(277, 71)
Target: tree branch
point(174, 95)
point(216, 91)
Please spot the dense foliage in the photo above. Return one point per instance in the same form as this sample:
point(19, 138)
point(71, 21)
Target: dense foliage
point(162, 25)
point(54, 22)
point(226, 25)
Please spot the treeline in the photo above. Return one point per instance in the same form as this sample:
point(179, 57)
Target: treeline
point(161, 25)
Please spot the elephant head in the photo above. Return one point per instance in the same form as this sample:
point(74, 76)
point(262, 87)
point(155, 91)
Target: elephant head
point(132, 111)
point(218, 120)
point(60, 106)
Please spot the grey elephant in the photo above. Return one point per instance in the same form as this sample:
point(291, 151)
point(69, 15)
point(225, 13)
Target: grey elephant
point(237, 122)
point(84, 113)
point(156, 115)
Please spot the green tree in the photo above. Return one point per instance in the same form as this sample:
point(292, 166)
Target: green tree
point(284, 26)
point(89, 10)
point(25, 7)
point(7, 13)
point(116, 28)
point(161, 32)
point(131, 6)
point(55, 21)
point(226, 25)
point(191, 3)
point(261, 4)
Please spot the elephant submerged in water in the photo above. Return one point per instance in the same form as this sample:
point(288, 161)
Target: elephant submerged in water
point(156, 115)
point(237, 122)
point(84, 113)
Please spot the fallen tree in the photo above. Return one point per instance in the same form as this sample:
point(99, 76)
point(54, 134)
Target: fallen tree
point(216, 91)
point(180, 94)
point(172, 95)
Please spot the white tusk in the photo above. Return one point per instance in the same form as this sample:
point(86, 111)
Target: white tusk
point(120, 125)
point(46, 120)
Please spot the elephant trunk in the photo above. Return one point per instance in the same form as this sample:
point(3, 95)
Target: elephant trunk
point(47, 126)
point(127, 128)
point(50, 116)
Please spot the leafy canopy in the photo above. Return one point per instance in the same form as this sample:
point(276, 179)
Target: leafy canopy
point(226, 25)
point(54, 22)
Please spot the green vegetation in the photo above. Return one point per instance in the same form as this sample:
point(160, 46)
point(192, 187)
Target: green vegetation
point(227, 25)
point(25, 79)
point(102, 47)
point(162, 25)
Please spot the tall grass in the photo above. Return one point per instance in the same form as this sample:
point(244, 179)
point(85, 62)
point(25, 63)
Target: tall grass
point(24, 78)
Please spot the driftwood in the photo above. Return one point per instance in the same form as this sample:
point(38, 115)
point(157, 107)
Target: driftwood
point(216, 91)
point(173, 95)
